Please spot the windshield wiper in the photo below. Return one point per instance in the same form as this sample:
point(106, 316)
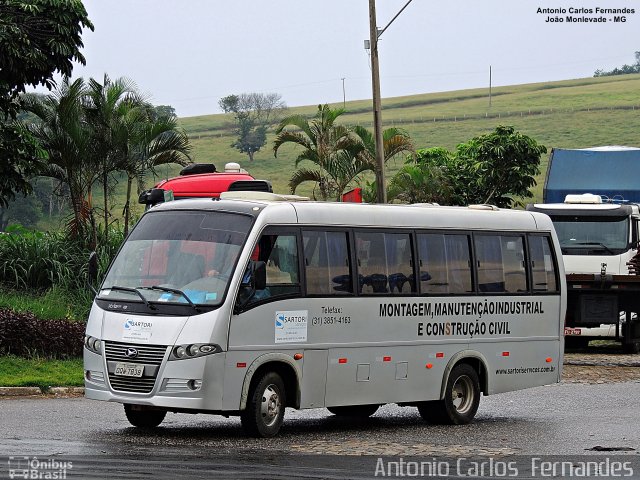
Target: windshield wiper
point(133, 290)
point(174, 291)
point(598, 244)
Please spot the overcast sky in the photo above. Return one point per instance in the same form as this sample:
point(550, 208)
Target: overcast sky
point(190, 53)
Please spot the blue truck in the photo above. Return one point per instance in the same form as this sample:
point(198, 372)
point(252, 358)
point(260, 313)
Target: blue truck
point(592, 197)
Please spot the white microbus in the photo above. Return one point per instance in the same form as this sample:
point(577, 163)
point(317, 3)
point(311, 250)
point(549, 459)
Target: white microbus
point(247, 306)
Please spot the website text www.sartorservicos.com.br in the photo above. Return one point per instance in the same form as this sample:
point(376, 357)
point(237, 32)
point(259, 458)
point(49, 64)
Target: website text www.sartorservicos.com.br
point(525, 370)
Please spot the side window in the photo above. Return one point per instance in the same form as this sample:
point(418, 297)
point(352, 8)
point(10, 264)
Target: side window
point(385, 263)
point(543, 270)
point(326, 261)
point(501, 264)
point(280, 253)
point(444, 263)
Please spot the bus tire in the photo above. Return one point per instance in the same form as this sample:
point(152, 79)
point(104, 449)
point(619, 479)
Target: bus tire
point(461, 399)
point(631, 347)
point(264, 414)
point(356, 411)
point(144, 418)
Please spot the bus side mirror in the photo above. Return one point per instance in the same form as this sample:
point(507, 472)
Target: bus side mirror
point(259, 275)
point(255, 279)
point(92, 271)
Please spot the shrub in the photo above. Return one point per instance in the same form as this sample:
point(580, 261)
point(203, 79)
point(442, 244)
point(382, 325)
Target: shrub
point(38, 261)
point(24, 335)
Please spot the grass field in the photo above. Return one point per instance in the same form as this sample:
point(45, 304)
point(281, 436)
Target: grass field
point(54, 304)
point(568, 114)
point(576, 113)
point(43, 373)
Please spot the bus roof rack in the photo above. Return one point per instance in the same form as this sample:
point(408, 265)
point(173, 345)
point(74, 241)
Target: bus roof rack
point(261, 196)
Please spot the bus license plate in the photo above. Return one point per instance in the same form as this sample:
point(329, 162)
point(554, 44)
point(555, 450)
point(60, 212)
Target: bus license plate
point(129, 370)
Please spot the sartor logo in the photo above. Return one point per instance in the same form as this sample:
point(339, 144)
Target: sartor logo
point(128, 324)
point(280, 320)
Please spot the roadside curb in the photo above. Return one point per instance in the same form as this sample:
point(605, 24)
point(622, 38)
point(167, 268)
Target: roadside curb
point(33, 391)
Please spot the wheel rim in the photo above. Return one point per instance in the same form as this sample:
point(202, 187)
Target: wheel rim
point(462, 394)
point(270, 406)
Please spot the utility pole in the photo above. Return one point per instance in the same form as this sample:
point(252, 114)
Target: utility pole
point(377, 104)
point(344, 95)
point(374, 35)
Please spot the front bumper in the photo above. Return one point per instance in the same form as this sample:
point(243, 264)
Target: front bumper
point(194, 384)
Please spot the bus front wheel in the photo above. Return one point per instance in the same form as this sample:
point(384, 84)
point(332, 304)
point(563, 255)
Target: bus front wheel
point(264, 414)
point(461, 399)
point(144, 418)
point(357, 411)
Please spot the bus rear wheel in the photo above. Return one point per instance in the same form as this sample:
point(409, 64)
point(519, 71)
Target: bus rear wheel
point(461, 399)
point(144, 418)
point(357, 411)
point(264, 414)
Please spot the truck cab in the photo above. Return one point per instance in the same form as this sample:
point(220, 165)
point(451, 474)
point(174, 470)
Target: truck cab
point(599, 242)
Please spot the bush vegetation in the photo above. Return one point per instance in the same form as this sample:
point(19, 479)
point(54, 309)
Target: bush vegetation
point(25, 335)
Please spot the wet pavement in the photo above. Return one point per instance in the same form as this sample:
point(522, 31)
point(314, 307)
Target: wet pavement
point(593, 412)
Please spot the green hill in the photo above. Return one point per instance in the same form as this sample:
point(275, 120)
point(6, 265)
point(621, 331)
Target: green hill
point(567, 114)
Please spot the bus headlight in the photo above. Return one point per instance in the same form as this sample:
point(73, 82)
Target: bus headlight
point(93, 344)
point(193, 350)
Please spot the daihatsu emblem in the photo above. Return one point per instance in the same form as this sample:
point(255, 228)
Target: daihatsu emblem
point(131, 353)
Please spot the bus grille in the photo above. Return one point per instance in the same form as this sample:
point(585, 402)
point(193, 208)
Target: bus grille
point(151, 355)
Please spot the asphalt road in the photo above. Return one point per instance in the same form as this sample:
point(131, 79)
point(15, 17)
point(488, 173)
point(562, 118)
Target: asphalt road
point(564, 419)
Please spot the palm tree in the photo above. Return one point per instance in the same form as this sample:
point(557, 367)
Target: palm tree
point(394, 141)
point(130, 136)
point(155, 140)
point(332, 148)
point(109, 112)
point(66, 137)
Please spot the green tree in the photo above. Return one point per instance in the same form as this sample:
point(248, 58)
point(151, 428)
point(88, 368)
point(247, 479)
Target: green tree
point(496, 168)
point(165, 111)
point(154, 141)
point(25, 211)
point(425, 178)
point(341, 154)
point(501, 166)
point(253, 114)
point(22, 158)
point(37, 39)
point(394, 142)
point(331, 147)
point(107, 108)
point(623, 70)
point(63, 132)
point(130, 135)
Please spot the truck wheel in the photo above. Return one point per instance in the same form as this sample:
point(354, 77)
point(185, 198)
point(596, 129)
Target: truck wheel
point(631, 347)
point(460, 402)
point(265, 407)
point(143, 418)
point(358, 411)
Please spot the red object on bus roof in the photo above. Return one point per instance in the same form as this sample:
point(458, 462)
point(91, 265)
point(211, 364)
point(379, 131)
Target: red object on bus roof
point(354, 195)
point(202, 185)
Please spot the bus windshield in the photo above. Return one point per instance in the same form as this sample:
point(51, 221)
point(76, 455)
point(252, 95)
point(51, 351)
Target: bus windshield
point(606, 236)
point(178, 257)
